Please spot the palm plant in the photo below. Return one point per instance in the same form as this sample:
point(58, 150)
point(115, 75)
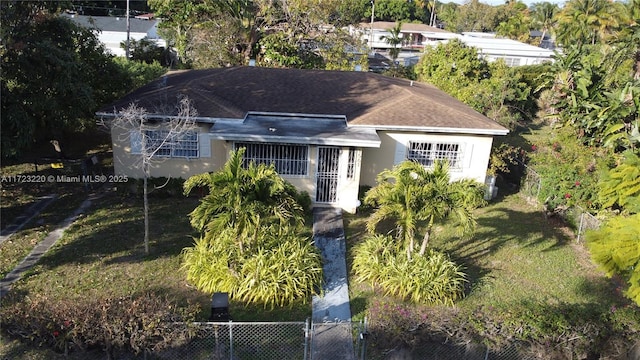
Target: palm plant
point(394, 39)
point(586, 21)
point(244, 199)
point(252, 243)
point(543, 16)
point(412, 194)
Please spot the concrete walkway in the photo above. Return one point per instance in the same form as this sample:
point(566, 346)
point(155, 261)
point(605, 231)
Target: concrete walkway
point(42, 247)
point(331, 313)
point(22, 220)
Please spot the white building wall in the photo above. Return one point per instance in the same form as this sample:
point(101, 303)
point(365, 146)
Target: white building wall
point(476, 152)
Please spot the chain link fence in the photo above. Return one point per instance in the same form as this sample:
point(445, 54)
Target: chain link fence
point(531, 184)
point(366, 349)
point(577, 217)
point(240, 340)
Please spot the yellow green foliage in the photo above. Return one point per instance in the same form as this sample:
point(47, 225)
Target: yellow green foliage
point(616, 248)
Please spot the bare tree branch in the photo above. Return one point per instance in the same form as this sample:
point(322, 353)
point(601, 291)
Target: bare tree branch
point(155, 137)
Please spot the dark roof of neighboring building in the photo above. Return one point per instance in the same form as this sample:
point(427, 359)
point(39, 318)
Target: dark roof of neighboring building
point(112, 23)
point(365, 99)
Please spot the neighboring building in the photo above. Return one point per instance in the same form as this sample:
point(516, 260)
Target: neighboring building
point(112, 30)
point(327, 132)
point(418, 36)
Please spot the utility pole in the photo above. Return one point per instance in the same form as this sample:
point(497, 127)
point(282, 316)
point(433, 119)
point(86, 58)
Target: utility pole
point(432, 21)
point(373, 11)
point(126, 51)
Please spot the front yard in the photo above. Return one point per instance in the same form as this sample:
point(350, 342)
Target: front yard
point(526, 273)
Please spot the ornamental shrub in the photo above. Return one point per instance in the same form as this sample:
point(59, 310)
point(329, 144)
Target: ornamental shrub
point(281, 268)
point(431, 278)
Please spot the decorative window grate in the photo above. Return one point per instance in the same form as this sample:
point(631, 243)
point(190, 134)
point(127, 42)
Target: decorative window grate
point(288, 159)
point(427, 153)
point(160, 143)
point(351, 164)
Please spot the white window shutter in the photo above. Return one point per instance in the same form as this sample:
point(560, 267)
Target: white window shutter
point(135, 136)
point(204, 141)
point(401, 153)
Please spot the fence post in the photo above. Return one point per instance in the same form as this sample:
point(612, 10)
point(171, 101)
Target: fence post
point(363, 338)
point(580, 227)
point(306, 338)
point(230, 340)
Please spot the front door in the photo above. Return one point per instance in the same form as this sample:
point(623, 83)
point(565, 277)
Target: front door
point(327, 174)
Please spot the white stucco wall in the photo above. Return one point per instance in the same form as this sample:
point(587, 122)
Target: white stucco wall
point(476, 152)
point(214, 153)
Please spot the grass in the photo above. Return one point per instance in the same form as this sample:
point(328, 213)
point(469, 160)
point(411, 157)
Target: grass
point(515, 255)
point(102, 254)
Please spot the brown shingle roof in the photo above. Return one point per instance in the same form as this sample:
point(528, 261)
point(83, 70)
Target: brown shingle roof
point(366, 99)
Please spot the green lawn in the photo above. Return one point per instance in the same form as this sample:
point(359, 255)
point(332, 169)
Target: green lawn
point(102, 254)
point(516, 256)
point(527, 278)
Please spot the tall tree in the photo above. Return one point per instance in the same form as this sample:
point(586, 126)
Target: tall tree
point(513, 20)
point(54, 75)
point(411, 195)
point(476, 16)
point(587, 22)
point(394, 39)
point(543, 17)
point(228, 32)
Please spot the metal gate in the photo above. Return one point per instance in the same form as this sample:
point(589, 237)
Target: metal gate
point(327, 174)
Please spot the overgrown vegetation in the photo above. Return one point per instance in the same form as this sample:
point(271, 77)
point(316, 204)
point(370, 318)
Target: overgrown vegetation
point(132, 324)
point(429, 278)
point(252, 244)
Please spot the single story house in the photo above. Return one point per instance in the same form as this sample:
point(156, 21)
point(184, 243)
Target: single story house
point(327, 132)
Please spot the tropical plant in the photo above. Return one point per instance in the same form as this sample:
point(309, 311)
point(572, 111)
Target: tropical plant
point(429, 278)
point(394, 39)
point(582, 22)
point(252, 242)
point(621, 115)
point(245, 198)
point(620, 186)
point(411, 195)
point(282, 267)
point(543, 17)
point(616, 248)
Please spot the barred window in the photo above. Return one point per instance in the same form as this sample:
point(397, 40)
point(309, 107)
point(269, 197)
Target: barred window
point(426, 153)
point(351, 164)
point(288, 159)
point(185, 146)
